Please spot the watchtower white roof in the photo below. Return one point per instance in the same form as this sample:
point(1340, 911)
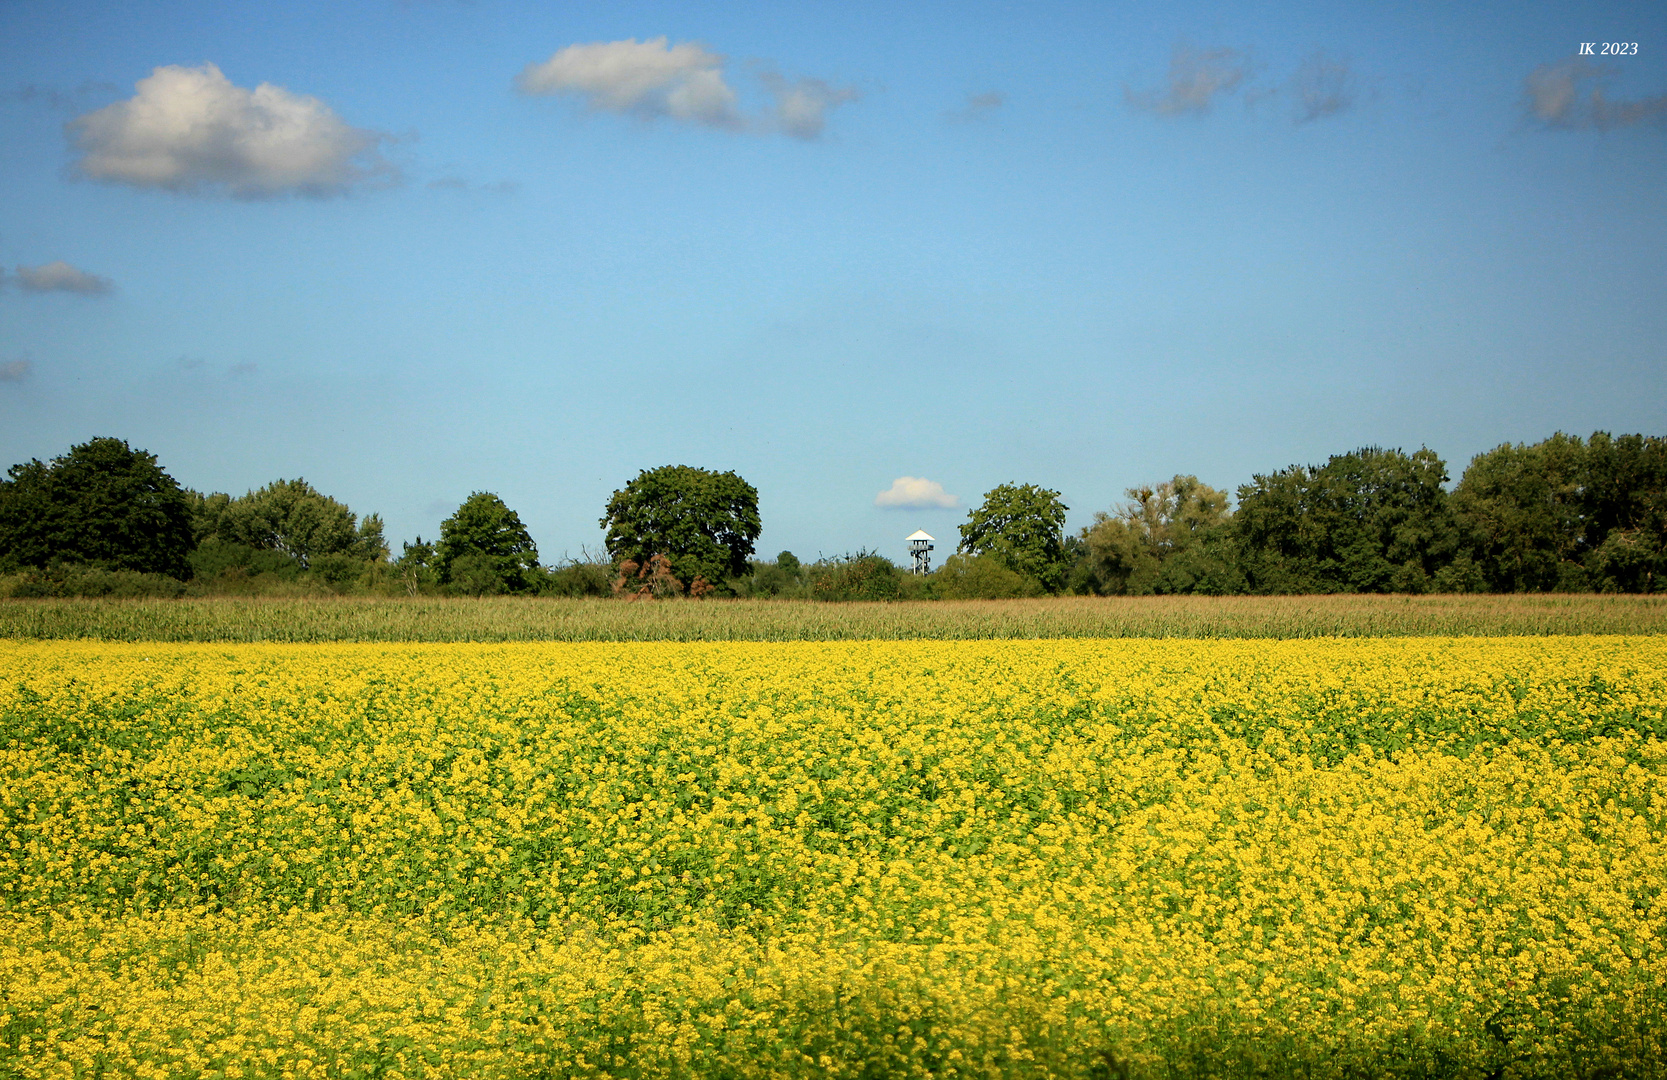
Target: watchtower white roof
point(920, 534)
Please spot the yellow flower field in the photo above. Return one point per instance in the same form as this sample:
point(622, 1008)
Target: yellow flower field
point(1401, 857)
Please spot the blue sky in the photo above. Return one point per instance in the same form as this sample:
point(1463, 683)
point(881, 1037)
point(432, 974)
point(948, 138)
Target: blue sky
point(534, 248)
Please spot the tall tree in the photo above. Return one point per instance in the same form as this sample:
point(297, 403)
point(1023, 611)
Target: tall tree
point(703, 522)
point(1568, 514)
point(1023, 527)
point(484, 548)
point(1169, 538)
point(1519, 507)
point(290, 517)
point(103, 503)
point(1624, 518)
point(1373, 520)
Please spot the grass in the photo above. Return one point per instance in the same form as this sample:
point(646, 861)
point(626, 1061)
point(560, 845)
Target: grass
point(244, 619)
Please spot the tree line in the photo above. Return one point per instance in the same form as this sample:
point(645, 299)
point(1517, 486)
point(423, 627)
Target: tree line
point(1564, 514)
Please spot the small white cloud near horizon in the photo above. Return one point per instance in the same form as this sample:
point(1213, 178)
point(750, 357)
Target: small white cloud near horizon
point(191, 130)
point(14, 370)
point(60, 276)
point(915, 493)
point(1196, 79)
point(654, 80)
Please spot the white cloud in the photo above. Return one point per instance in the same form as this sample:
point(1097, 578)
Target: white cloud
point(685, 83)
point(1556, 98)
point(645, 78)
point(62, 277)
point(801, 107)
point(1196, 78)
point(14, 370)
point(915, 493)
point(190, 129)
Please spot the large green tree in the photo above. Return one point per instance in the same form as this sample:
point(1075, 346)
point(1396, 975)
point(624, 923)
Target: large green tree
point(1373, 520)
point(484, 548)
point(1568, 514)
point(703, 522)
point(1173, 537)
point(1519, 507)
point(1625, 512)
point(1023, 527)
point(291, 517)
point(103, 503)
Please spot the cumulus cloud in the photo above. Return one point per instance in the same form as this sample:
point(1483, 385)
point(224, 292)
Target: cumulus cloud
point(62, 277)
point(191, 130)
point(685, 83)
point(1196, 79)
point(915, 493)
point(1322, 87)
point(644, 78)
point(14, 370)
point(1557, 96)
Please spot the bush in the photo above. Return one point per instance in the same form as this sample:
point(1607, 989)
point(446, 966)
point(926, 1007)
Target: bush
point(783, 578)
point(478, 574)
point(980, 577)
point(216, 559)
point(862, 576)
point(65, 581)
point(578, 579)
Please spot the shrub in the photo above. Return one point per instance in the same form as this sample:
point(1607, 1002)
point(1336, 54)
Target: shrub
point(864, 575)
point(579, 579)
point(980, 577)
point(91, 581)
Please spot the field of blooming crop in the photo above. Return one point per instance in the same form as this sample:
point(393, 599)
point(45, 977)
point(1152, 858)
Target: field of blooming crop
point(1401, 857)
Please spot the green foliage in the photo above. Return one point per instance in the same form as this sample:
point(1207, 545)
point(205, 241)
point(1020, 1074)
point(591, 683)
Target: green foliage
point(1568, 515)
point(292, 517)
point(578, 578)
point(415, 570)
point(1022, 526)
point(783, 578)
point(103, 504)
point(491, 537)
point(65, 580)
point(1369, 521)
point(703, 522)
point(475, 574)
point(1175, 537)
point(979, 577)
point(286, 537)
point(370, 544)
point(215, 559)
point(1520, 509)
point(863, 575)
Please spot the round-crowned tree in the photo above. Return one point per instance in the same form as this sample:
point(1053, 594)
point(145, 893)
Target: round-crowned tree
point(104, 504)
point(1023, 527)
point(484, 548)
point(703, 522)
